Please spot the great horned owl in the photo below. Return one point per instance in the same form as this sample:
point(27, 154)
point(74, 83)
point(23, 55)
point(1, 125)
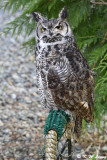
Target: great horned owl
point(65, 79)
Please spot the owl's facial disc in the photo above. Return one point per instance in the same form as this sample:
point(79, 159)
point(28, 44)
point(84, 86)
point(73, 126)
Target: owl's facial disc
point(52, 30)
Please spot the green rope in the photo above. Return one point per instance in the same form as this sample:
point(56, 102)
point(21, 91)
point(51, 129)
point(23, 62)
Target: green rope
point(56, 120)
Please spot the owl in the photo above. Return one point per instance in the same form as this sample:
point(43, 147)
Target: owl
point(64, 77)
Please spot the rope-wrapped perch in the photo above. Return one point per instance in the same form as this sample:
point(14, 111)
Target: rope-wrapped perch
point(55, 124)
point(51, 145)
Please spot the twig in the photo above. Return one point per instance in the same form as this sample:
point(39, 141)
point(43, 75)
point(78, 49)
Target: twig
point(105, 35)
point(87, 149)
point(99, 3)
point(89, 136)
point(97, 151)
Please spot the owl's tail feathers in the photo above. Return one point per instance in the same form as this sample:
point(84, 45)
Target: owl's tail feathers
point(78, 126)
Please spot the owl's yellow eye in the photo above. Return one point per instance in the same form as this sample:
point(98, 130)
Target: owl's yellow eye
point(59, 27)
point(43, 29)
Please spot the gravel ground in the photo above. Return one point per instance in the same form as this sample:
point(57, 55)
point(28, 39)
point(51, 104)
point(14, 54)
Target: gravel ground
point(22, 118)
point(21, 115)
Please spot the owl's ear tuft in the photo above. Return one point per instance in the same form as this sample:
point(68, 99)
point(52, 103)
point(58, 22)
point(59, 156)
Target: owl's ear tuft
point(37, 17)
point(63, 13)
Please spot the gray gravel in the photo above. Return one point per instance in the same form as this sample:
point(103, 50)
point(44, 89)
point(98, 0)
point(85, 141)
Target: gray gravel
point(21, 115)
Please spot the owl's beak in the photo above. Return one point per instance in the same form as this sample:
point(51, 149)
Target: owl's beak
point(50, 33)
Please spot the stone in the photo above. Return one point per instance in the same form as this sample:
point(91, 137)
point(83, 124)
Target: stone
point(1, 123)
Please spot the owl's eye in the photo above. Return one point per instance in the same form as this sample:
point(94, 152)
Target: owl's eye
point(43, 29)
point(59, 27)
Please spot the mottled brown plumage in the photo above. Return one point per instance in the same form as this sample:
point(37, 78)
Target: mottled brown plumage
point(64, 77)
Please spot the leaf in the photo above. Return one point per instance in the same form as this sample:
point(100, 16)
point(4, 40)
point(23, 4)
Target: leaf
point(79, 11)
point(97, 53)
point(93, 158)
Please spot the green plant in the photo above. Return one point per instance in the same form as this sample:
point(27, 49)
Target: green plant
point(89, 24)
point(93, 158)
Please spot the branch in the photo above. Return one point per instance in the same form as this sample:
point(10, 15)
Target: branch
point(99, 3)
point(97, 152)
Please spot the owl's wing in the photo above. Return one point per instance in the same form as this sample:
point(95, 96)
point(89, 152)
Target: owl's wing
point(72, 85)
point(83, 76)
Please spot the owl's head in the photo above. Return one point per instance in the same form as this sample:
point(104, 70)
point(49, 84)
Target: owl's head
point(52, 30)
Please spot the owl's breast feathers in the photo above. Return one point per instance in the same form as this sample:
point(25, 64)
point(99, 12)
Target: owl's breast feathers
point(71, 84)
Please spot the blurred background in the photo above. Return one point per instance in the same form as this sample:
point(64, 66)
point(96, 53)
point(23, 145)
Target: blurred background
point(22, 117)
